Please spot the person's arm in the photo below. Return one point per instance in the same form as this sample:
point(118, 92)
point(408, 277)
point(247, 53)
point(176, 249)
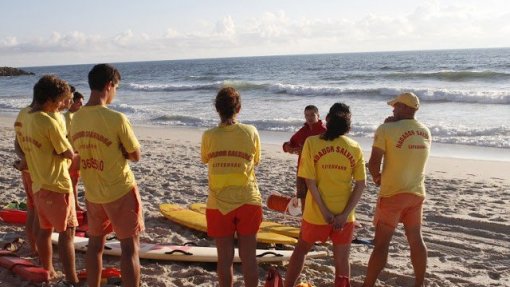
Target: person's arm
point(312, 187)
point(129, 145)
point(134, 156)
point(131, 156)
point(296, 142)
point(17, 149)
point(69, 154)
point(374, 164)
point(20, 164)
point(357, 191)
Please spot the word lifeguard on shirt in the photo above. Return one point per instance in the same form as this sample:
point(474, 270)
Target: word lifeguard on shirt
point(92, 163)
point(408, 134)
point(33, 141)
point(231, 153)
point(226, 164)
point(333, 166)
point(94, 135)
point(337, 149)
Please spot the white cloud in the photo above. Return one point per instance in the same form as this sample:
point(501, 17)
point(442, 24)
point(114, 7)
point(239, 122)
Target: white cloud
point(429, 26)
point(9, 42)
point(226, 27)
point(124, 38)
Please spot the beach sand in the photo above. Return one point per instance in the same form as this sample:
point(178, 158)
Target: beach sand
point(466, 222)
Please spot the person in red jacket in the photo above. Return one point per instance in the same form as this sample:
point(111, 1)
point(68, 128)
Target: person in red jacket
point(313, 126)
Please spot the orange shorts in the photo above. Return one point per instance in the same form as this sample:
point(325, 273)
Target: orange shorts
point(245, 220)
point(27, 184)
point(55, 210)
point(124, 216)
point(403, 207)
point(312, 233)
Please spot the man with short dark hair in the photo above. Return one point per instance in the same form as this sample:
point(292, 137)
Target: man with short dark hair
point(106, 141)
point(404, 143)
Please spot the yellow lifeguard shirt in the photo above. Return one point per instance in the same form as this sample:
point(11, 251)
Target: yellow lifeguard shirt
point(334, 165)
point(231, 153)
point(61, 121)
point(406, 146)
point(42, 142)
point(68, 116)
point(97, 133)
point(19, 124)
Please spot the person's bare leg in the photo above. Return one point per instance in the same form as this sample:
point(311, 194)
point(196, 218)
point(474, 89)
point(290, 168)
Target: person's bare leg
point(29, 229)
point(66, 254)
point(225, 249)
point(296, 263)
point(35, 230)
point(75, 175)
point(94, 260)
point(74, 180)
point(383, 235)
point(418, 253)
point(46, 250)
point(248, 254)
point(130, 261)
point(341, 256)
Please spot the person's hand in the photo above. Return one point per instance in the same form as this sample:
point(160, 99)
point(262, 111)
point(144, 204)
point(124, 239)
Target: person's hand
point(295, 150)
point(124, 152)
point(339, 221)
point(298, 149)
point(377, 179)
point(328, 216)
point(286, 147)
point(20, 164)
point(390, 119)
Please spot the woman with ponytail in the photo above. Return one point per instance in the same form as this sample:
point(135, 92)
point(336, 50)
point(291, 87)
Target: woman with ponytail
point(330, 163)
point(234, 205)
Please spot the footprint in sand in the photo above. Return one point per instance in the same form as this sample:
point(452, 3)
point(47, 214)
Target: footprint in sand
point(477, 215)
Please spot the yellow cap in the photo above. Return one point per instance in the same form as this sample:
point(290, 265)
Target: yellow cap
point(408, 99)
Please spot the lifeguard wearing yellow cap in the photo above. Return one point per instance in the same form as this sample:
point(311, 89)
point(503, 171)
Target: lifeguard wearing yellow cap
point(408, 99)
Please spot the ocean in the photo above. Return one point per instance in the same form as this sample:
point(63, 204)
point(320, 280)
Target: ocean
point(465, 94)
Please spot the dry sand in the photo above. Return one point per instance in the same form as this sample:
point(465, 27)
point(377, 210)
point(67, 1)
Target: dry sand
point(466, 222)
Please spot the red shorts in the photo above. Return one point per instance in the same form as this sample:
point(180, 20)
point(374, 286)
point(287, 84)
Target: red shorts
point(312, 233)
point(245, 220)
point(27, 184)
point(55, 210)
point(403, 207)
point(124, 216)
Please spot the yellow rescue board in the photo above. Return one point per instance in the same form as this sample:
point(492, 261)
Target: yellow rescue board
point(196, 220)
point(267, 226)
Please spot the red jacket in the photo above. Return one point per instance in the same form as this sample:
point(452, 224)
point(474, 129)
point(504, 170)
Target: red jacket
point(298, 139)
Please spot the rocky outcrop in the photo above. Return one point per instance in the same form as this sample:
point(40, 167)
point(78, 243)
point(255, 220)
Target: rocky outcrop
point(8, 71)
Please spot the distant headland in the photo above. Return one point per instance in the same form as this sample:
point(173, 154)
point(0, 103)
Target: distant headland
point(8, 71)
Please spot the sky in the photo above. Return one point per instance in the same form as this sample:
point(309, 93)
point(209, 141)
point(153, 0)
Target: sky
point(63, 32)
